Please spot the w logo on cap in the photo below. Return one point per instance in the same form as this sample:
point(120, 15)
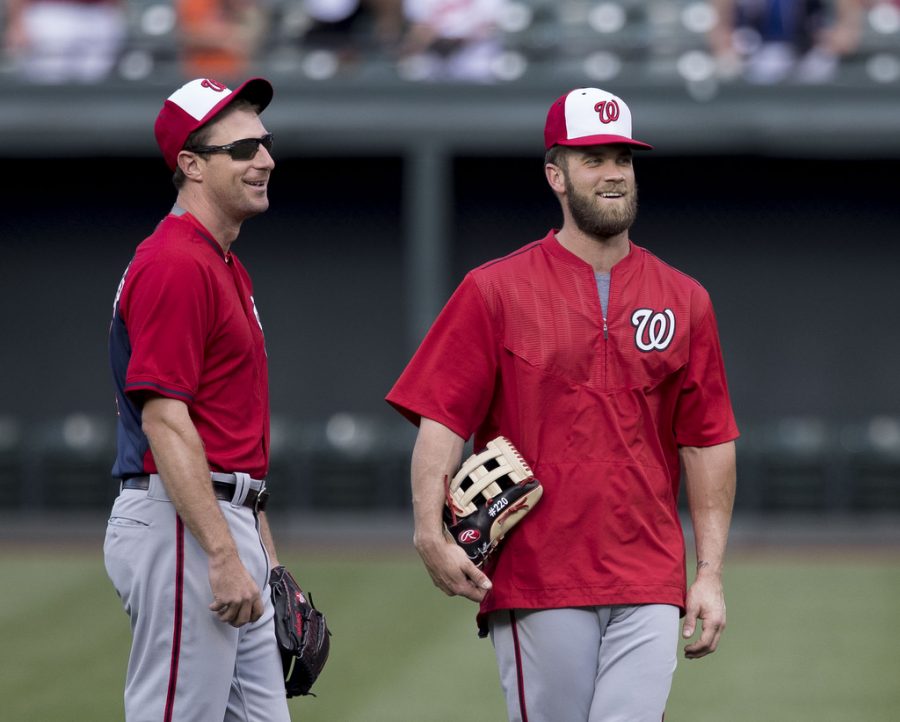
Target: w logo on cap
point(214, 85)
point(608, 110)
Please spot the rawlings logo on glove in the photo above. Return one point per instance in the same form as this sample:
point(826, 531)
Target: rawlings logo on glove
point(488, 496)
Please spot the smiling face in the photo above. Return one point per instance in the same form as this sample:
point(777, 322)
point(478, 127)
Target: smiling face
point(238, 189)
point(600, 189)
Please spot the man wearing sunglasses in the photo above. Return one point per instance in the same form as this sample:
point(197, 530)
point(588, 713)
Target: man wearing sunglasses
point(188, 546)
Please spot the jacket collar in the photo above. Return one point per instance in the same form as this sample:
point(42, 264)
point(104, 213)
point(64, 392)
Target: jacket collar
point(552, 246)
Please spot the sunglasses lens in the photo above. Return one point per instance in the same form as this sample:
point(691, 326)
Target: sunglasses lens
point(244, 149)
point(247, 148)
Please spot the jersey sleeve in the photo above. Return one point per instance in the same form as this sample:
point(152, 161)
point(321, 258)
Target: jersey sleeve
point(703, 415)
point(451, 377)
point(165, 310)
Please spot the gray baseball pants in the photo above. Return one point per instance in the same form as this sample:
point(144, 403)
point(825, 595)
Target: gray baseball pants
point(586, 664)
point(185, 664)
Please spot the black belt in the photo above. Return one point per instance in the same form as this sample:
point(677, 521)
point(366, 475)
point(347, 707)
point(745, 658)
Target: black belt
point(224, 491)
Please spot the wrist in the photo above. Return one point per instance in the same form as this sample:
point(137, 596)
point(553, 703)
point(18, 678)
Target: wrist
point(222, 555)
point(428, 539)
point(709, 568)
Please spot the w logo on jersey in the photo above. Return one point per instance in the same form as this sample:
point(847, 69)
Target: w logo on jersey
point(654, 330)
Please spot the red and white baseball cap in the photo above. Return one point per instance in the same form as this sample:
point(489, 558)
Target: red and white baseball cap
point(195, 104)
point(589, 116)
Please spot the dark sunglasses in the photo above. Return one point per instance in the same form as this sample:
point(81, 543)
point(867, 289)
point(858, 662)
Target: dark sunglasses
point(244, 149)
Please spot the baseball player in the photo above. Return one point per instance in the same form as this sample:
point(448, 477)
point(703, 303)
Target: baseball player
point(188, 546)
point(602, 365)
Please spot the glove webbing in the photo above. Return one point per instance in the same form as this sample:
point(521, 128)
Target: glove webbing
point(483, 470)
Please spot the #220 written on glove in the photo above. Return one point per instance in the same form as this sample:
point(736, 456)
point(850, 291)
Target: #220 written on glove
point(301, 631)
point(491, 493)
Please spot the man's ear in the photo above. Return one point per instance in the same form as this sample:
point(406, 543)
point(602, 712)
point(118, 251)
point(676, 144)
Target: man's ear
point(556, 177)
point(190, 165)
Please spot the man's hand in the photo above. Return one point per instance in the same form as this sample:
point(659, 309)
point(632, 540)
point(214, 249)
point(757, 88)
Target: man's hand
point(236, 597)
point(450, 569)
point(706, 603)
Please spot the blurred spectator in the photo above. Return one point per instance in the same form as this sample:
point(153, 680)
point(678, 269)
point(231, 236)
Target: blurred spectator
point(452, 39)
point(63, 41)
point(768, 41)
point(219, 38)
point(347, 28)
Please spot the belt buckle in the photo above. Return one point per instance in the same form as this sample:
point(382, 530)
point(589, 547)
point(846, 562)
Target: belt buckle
point(262, 498)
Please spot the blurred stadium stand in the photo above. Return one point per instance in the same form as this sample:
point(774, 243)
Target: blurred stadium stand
point(872, 451)
point(354, 462)
point(350, 461)
point(655, 52)
point(12, 461)
point(798, 465)
point(64, 457)
point(597, 40)
point(652, 52)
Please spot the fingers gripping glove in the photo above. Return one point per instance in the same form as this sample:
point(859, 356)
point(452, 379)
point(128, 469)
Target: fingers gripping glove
point(303, 636)
point(488, 496)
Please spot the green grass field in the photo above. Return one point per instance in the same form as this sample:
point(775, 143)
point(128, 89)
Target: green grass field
point(814, 637)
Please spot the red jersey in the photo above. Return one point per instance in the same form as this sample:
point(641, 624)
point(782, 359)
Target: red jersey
point(185, 326)
point(597, 407)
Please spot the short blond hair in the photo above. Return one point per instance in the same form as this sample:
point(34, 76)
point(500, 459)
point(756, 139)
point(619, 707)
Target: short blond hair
point(557, 155)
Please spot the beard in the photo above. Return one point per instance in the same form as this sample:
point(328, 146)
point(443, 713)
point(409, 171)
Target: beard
point(597, 221)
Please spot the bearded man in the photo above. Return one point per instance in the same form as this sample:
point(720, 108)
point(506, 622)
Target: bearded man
point(602, 365)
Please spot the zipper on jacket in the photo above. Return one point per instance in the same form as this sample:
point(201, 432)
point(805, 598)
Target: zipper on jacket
point(606, 334)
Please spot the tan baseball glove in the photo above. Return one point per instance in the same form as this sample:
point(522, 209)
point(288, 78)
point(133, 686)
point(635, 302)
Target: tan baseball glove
point(488, 496)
